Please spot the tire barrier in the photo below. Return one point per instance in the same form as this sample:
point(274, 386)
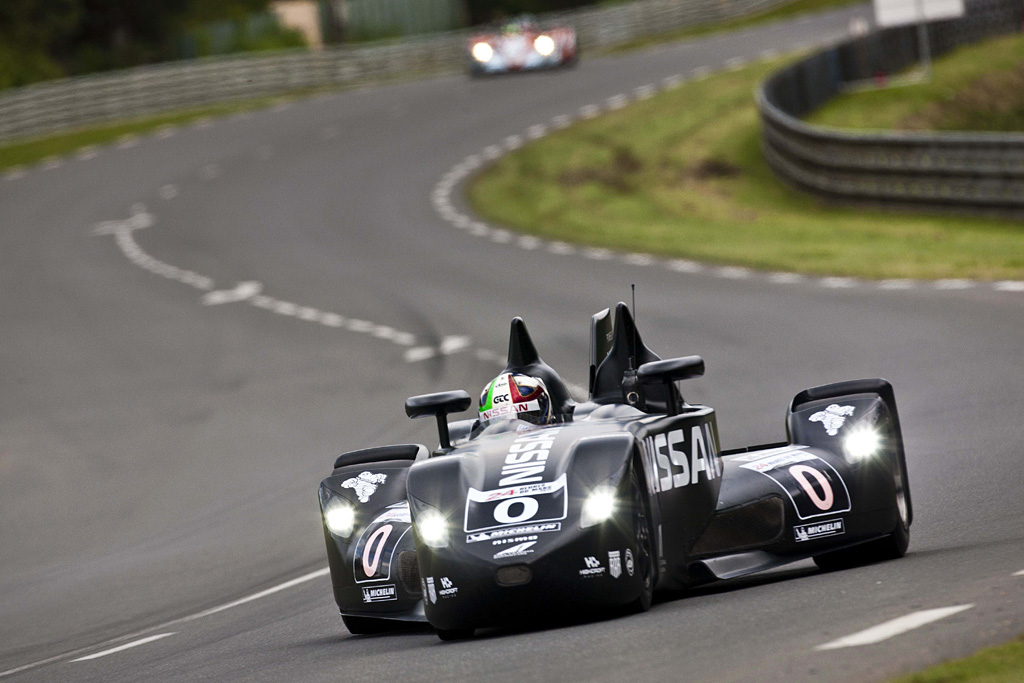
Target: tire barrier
point(926, 169)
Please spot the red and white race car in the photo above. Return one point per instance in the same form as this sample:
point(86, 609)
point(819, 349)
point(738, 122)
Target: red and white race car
point(521, 45)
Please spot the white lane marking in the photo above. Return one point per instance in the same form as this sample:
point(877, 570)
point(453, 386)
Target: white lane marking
point(589, 111)
point(701, 72)
point(617, 102)
point(735, 63)
point(241, 292)
point(684, 266)
point(165, 132)
point(86, 153)
point(168, 192)
point(561, 249)
point(645, 92)
point(672, 81)
point(513, 142)
point(210, 171)
point(203, 123)
point(126, 646)
point(14, 173)
point(1009, 286)
point(837, 282)
point(641, 260)
point(492, 152)
point(953, 284)
point(51, 163)
point(537, 131)
point(734, 273)
point(769, 54)
point(1020, 573)
point(897, 284)
point(561, 121)
point(448, 346)
point(127, 141)
point(786, 278)
point(894, 627)
point(256, 596)
point(598, 254)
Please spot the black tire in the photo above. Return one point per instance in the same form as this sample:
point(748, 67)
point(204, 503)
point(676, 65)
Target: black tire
point(891, 547)
point(645, 559)
point(447, 634)
point(360, 626)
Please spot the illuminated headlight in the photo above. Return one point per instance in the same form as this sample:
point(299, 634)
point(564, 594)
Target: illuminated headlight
point(599, 506)
point(544, 45)
point(433, 529)
point(339, 517)
point(482, 52)
point(863, 441)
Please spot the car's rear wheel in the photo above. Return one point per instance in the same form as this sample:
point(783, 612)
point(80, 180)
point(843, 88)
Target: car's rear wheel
point(644, 561)
point(366, 625)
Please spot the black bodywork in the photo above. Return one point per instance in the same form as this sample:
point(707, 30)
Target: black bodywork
point(520, 542)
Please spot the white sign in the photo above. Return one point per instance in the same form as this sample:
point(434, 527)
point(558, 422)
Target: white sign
point(890, 13)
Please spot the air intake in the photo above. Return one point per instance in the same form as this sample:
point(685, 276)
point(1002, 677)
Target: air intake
point(409, 573)
point(514, 575)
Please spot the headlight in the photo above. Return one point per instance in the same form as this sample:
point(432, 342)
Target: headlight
point(433, 528)
point(863, 441)
point(544, 45)
point(482, 52)
point(340, 517)
point(599, 506)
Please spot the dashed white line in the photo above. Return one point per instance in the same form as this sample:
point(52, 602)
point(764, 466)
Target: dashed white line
point(953, 284)
point(561, 248)
point(894, 627)
point(734, 273)
point(203, 123)
point(786, 278)
point(513, 142)
point(598, 254)
point(562, 121)
point(126, 646)
point(897, 284)
point(1009, 286)
point(641, 260)
point(86, 153)
point(617, 102)
point(168, 192)
point(589, 111)
point(645, 91)
point(838, 282)
point(537, 131)
point(166, 132)
point(672, 81)
point(14, 173)
point(735, 63)
point(684, 266)
point(1020, 573)
point(701, 72)
point(127, 142)
point(241, 292)
point(51, 163)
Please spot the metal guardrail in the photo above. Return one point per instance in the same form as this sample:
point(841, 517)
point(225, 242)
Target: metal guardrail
point(68, 103)
point(908, 168)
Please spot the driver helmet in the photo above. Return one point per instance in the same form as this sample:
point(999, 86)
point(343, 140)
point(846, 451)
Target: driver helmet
point(512, 395)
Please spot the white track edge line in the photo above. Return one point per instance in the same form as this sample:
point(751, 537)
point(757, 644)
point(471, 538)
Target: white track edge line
point(893, 627)
point(126, 646)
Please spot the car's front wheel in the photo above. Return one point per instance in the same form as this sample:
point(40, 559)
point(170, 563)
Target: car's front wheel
point(643, 563)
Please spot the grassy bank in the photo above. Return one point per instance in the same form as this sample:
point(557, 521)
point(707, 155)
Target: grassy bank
point(1000, 664)
point(981, 87)
point(682, 175)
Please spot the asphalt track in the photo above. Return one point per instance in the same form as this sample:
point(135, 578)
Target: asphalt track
point(159, 457)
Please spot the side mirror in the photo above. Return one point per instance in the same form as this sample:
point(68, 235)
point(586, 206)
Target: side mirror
point(439, 405)
point(669, 371)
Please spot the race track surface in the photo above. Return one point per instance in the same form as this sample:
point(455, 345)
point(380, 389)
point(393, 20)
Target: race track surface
point(163, 427)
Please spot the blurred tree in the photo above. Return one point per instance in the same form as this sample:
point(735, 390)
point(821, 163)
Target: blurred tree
point(30, 30)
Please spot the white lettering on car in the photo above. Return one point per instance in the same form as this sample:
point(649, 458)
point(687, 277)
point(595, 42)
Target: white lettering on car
point(668, 451)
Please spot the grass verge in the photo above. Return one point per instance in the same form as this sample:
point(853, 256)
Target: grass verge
point(785, 11)
point(980, 87)
point(999, 664)
point(23, 152)
point(682, 175)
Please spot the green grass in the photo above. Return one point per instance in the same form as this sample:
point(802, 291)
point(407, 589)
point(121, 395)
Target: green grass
point(1000, 664)
point(785, 11)
point(23, 152)
point(682, 175)
point(980, 87)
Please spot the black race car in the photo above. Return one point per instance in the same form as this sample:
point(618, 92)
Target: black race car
point(612, 499)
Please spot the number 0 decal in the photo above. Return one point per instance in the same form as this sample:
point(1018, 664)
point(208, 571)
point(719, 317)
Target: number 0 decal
point(370, 566)
point(813, 485)
point(800, 473)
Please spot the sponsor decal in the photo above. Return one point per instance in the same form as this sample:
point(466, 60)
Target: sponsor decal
point(515, 505)
point(593, 567)
point(448, 590)
point(629, 562)
point(365, 485)
point(677, 462)
point(757, 455)
point(399, 512)
point(515, 531)
point(517, 539)
point(778, 460)
point(615, 563)
point(371, 559)
point(814, 486)
point(809, 532)
point(379, 593)
point(431, 593)
point(833, 417)
point(502, 409)
point(527, 457)
point(517, 550)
